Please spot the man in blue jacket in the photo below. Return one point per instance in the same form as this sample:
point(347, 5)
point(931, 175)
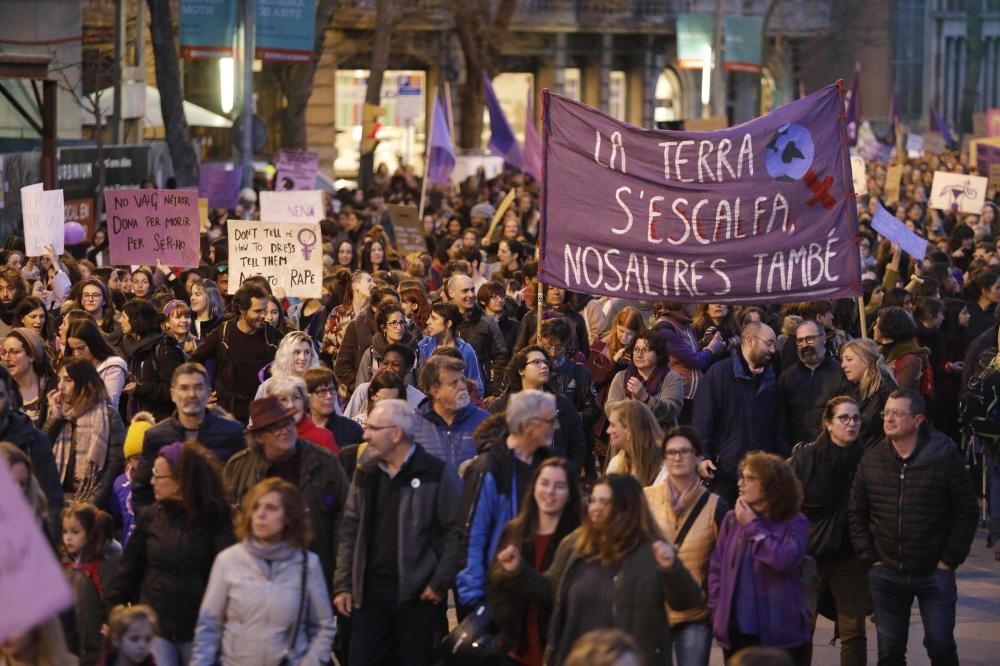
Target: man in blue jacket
point(448, 416)
point(738, 409)
point(193, 421)
point(496, 483)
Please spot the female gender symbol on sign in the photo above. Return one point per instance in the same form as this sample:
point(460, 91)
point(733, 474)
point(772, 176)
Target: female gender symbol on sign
point(307, 238)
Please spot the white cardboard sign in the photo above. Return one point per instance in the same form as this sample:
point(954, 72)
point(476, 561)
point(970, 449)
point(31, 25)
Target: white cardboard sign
point(44, 220)
point(292, 206)
point(958, 192)
point(289, 255)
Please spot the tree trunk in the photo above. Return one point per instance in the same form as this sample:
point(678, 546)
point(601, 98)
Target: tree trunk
point(479, 36)
point(373, 94)
point(296, 82)
point(168, 80)
point(974, 61)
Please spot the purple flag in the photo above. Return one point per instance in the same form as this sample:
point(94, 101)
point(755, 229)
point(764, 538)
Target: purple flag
point(854, 107)
point(502, 139)
point(532, 144)
point(441, 158)
point(221, 187)
point(758, 213)
point(938, 124)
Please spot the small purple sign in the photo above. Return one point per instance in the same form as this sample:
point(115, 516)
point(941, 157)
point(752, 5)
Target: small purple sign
point(759, 213)
point(149, 225)
point(220, 186)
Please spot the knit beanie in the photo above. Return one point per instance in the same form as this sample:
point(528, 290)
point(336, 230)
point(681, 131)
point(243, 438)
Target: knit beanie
point(141, 422)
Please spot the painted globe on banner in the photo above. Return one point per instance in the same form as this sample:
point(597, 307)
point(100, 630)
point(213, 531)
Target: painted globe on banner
point(789, 153)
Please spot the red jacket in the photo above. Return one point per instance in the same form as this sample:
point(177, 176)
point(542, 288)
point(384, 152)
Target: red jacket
point(316, 434)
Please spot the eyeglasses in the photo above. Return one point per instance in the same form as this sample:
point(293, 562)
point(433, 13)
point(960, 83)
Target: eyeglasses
point(10, 352)
point(679, 453)
point(894, 414)
point(538, 362)
point(327, 390)
point(848, 418)
point(808, 340)
point(396, 323)
point(90, 296)
point(157, 477)
point(641, 350)
point(280, 426)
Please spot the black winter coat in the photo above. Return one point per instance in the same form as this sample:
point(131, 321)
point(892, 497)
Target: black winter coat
point(910, 514)
point(220, 435)
point(166, 565)
point(483, 334)
point(827, 473)
point(805, 393)
point(151, 364)
point(871, 410)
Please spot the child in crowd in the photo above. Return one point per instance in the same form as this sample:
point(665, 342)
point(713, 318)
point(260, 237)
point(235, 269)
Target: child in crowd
point(131, 630)
point(121, 503)
point(90, 557)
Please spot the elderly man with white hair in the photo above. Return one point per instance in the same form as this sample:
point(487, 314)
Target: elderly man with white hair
point(497, 481)
point(399, 548)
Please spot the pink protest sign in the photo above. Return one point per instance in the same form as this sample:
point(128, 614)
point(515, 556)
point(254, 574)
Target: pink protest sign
point(146, 225)
point(32, 584)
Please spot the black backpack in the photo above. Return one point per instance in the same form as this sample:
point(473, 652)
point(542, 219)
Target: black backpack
point(979, 409)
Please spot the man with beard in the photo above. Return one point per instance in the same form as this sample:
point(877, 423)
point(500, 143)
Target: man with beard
point(449, 418)
point(497, 482)
point(193, 421)
point(13, 289)
point(809, 384)
point(240, 348)
point(739, 409)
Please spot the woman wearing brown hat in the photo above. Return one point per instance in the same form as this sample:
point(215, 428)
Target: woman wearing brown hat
point(24, 354)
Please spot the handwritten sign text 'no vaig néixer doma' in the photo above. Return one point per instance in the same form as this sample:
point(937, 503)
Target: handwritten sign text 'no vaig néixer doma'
point(759, 213)
point(149, 225)
point(288, 254)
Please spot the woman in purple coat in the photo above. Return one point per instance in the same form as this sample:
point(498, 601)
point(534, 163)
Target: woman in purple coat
point(755, 588)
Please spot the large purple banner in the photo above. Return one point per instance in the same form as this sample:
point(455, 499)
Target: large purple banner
point(759, 213)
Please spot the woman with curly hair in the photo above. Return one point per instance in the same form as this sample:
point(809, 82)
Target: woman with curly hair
point(416, 306)
point(266, 600)
point(649, 380)
point(295, 355)
point(616, 570)
point(168, 558)
point(759, 557)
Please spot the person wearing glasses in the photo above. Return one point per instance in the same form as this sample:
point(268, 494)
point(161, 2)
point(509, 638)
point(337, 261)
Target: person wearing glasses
point(913, 517)
point(497, 481)
point(399, 545)
point(689, 516)
point(807, 385)
point(169, 557)
point(275, 450)
point(755, 585)
point(392, 330)
point(649, 380)
point(739, 408)
point(826, 469)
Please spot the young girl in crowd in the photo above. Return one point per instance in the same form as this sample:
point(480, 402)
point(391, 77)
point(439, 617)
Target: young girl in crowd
point(89, 558)
point(131, 630)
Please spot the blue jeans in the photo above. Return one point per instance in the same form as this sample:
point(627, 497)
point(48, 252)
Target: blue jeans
point(892, 599)
point(692, 643)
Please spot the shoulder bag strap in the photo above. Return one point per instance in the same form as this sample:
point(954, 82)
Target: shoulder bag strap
point(695, 510)
point(302, 604)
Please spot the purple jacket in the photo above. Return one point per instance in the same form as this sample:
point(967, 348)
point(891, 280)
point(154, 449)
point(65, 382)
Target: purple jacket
point(778, 550)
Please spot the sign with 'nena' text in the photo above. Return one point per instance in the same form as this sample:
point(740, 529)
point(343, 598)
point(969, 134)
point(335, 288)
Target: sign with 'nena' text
point(149, 225)
point(289, 255)
point(292, 206)
point(763, 212)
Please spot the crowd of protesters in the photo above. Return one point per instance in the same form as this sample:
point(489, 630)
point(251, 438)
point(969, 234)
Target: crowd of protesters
point(250, 478)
